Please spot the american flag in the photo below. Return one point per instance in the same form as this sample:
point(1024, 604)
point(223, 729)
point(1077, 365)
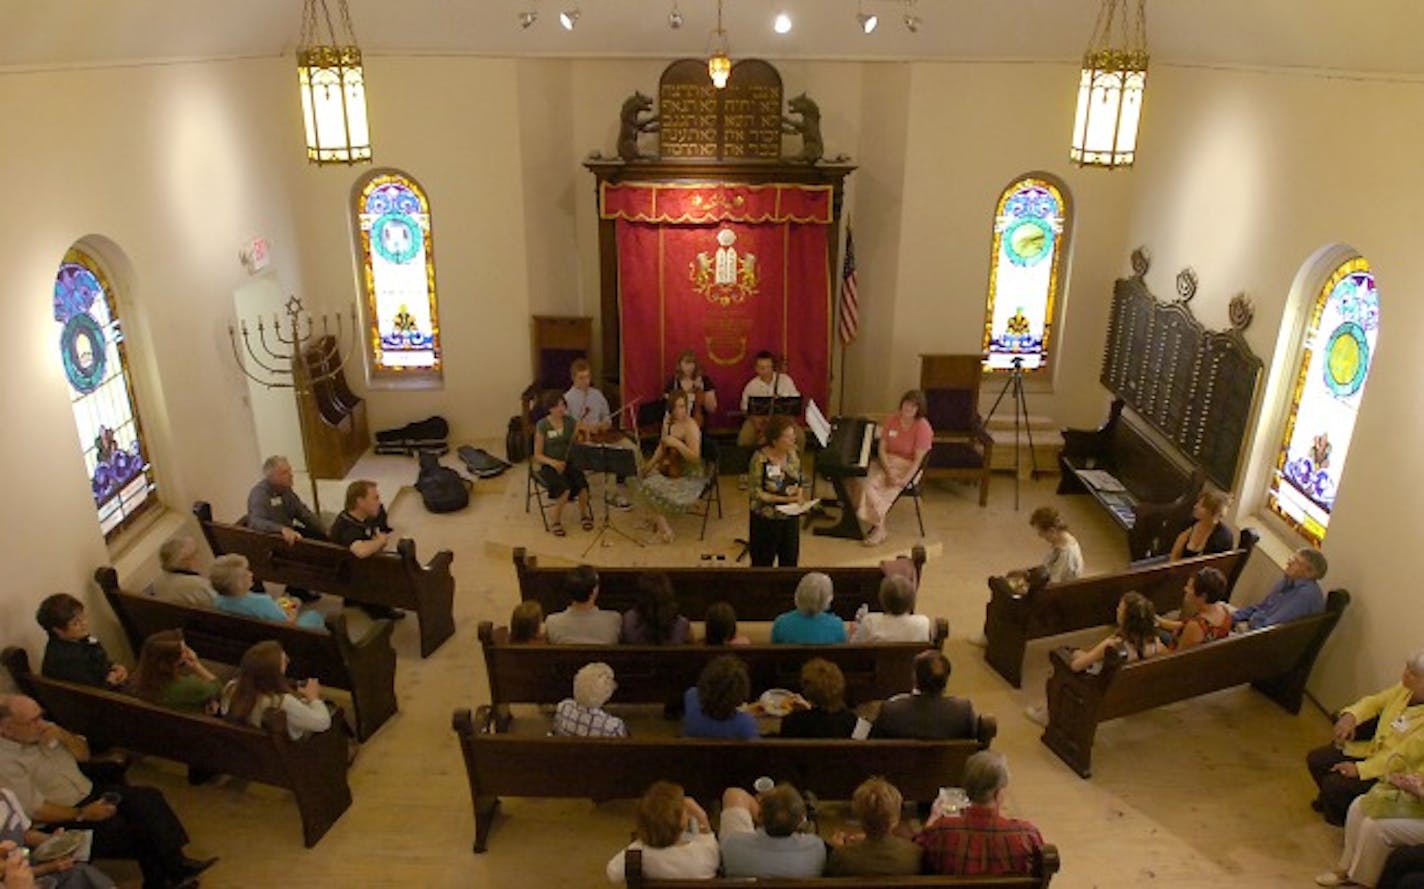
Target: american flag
point(850, 294)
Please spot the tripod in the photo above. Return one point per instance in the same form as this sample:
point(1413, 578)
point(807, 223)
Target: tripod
point(608, 462)
point(1015, 384)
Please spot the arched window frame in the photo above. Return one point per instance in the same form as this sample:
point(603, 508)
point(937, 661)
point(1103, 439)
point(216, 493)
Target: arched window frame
point(106, 412)
point(1038, 357)
point(1285, 501)
point(379, 368)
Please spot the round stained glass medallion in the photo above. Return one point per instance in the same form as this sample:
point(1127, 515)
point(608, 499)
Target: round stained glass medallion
point(82, 347)
point(397, 238)
point(1347, 359)
point(1028, 241)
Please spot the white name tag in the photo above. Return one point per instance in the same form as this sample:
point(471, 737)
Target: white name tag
point(894, 432)
point(554, 433)
point(773, 471)
point(275, 501)
point(1400, 724)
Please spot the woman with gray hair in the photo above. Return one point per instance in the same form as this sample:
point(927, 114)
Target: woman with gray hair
point(583, 715)
point(981, 841)
point(1349, 765)
point(232, 578)
point(811, 623)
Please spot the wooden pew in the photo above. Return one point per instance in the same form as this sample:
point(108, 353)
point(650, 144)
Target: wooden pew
point(365, 667)
point(1275, 660)
point(1046, 864)
point(395, 579)
point(756, 594)
point(622, 768)
point(314, 768)
point(1012, 620)
point(543, 673)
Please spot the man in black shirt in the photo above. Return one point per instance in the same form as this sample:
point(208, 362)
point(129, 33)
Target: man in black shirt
point(927, 714)
point(362, 528)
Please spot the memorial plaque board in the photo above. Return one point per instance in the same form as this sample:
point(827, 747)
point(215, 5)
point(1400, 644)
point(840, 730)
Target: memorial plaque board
point(739, 122)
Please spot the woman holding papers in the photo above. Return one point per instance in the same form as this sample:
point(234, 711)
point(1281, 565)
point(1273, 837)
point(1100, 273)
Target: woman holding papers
point(905, 439)
point(775, 477)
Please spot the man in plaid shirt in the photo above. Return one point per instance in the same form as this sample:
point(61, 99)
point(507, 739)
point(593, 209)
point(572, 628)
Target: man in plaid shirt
point(980, 841)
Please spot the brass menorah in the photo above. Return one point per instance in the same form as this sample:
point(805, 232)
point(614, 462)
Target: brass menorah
point(280, 366)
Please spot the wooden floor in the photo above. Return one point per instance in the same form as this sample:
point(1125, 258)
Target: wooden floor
point(1200, 794)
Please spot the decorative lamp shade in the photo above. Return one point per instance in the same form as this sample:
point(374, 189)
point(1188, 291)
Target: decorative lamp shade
point(1109, 108)
point(719, 68)
point(333, 87)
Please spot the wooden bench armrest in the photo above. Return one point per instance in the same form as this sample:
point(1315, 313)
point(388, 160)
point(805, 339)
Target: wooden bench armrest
point(987, 730)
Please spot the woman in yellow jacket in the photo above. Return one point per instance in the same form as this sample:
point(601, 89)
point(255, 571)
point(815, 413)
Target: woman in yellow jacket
point(1348, 767)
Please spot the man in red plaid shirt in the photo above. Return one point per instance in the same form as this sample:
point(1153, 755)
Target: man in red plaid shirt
point(980, 841)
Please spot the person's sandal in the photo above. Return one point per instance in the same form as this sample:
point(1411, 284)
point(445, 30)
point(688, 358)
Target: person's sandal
point(587, 522)
point(558, 530)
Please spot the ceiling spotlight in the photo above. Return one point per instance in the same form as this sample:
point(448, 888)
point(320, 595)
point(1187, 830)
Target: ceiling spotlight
point(569, 18)
point(675, 17)
point(867, 21)
point(527, 18)
point(912, 23)
point(782, 24)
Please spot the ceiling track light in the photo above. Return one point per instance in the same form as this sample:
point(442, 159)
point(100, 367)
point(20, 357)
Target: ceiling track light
point(675, 19)
point(569, 18)
point(782, 23)
point(867, 21)
point(911, 19)
point(528, 17)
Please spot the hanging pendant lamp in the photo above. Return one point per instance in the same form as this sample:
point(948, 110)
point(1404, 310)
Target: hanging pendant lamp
point(1111, 88)
point(333, 87)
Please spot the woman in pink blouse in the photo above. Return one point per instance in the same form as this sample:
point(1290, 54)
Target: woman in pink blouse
point(904, 440)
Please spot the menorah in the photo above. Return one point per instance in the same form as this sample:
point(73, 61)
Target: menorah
point(285, 374)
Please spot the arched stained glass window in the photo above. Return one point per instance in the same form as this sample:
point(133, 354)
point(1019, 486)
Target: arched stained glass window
point(1031, 227)
point(398, 265)
point(1337, 350)
point(92, 351)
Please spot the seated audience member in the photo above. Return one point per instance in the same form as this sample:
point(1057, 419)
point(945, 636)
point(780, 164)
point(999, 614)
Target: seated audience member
point(905, 439)
point(583, 715)
point(823, 688)
point(17, 833)
point(39, 762)
point(526, 624)
point(777, 848)
point(927, 713)
point(710, 708)
point(1296, 594)
point(583, 622)
point(1348, 767)
point(554, 436)
point(180, 581)
point(1064, 561)
point(232, 579)
point(1370, 838)
point(877, 852)
point(1204, 616)
point(362, 528)
point(261, 686)
point(273, 506)
point(674, 835)
point(1207, 534)
point(895, 623)
point(720, 625)
point(71, 654)
point(810, 623)
point(169, 673)
point(981, 842)
point(1136, 632)
point(655, 619)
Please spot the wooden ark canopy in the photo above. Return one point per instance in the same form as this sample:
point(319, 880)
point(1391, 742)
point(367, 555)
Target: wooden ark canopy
point(1196, 387)
point(705, 136)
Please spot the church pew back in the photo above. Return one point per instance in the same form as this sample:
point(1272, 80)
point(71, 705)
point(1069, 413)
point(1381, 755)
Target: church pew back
point(365, 667)
point(1275, 660)
point(314, 768)
point(622, 768)
point(1012, 620)
point(395, 579)
point(756, 594)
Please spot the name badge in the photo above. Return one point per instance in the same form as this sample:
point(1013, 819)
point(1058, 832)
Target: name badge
point(1400, 724)
point(773, 471)
point(275, 501)
point(894, 432)
point(554, 433)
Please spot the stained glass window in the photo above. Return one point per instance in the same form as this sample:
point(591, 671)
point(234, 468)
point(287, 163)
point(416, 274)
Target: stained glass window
point(1031, 226)
point(1336, 353)
point(398, 261)
point(92, 351)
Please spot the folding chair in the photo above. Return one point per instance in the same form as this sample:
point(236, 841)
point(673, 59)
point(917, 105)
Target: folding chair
point(535, 489)
point(912, 489)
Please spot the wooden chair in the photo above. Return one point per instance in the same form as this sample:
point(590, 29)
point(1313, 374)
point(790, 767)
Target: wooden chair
point(962, 448)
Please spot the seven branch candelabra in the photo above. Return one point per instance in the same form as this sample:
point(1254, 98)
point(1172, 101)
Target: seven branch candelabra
point(278, 369)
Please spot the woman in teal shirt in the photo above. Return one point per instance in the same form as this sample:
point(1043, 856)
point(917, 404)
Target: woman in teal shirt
point(810, 623)
point(232, 578)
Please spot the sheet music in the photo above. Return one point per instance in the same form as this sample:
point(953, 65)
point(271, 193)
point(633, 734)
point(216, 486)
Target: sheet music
point(1101, 480)
point(794, 509)
point(819, 425)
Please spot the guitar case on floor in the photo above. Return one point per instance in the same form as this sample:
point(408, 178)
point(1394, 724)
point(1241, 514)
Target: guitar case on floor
point(480, 463)
point(441, 488)
point(430, 434)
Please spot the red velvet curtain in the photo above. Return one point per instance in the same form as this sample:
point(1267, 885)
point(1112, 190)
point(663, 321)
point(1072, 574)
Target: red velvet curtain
point(727, 271)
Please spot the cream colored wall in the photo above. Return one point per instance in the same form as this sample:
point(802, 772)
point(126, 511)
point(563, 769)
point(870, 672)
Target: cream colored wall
point(1244, 176)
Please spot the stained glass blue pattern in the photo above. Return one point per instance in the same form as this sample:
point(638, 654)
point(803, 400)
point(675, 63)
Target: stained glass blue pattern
point(1029, 224)
point(393, 217)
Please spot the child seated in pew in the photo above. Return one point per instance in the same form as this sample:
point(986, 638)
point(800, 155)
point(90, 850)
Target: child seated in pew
point(170, 674)
point(526, 624)
point(261, 686)
point(583, 715)
point(720, 625)
point(72, 654)
point(1136, 633)
point(232, 578)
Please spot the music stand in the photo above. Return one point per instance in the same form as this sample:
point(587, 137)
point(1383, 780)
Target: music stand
point(609, 461)
point(774, 405)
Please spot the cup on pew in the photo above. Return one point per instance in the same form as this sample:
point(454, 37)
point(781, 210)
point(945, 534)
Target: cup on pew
point(762, 785)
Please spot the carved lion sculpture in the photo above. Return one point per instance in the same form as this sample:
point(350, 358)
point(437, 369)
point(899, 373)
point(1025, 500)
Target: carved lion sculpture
point(808, 127)
point(631, 124)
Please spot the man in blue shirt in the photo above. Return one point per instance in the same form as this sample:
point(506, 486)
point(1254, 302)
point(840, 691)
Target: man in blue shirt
point(590, 411)
point(776, 848)
point(1295, 595)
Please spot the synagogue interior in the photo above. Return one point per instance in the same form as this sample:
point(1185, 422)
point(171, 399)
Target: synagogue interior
point(157, 153)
